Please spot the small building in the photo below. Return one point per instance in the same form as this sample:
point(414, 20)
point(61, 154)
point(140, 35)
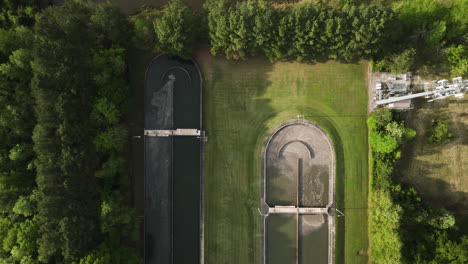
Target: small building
point(401, 105)
point(397, 88)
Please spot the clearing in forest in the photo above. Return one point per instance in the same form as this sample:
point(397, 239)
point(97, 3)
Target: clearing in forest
point(438, 172)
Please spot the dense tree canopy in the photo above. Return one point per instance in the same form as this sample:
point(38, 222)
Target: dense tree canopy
point(17, 12)
point(62, 84)
point(18, 225)
point(428, 28)
point(80, 131)
point(302, 31)
point(398, 35)
point(175, 29)
point(63, 96)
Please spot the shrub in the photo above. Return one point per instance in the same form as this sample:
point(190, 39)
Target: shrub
point(409, 133)
point(144, 35)
point(458, 60)
point(401, 63)
point(444, 220)
point(112, 167)
point(384, 224)
point(26, 205)
point(113, 139)
point(440, 133)
point(379, 119)
point(383, 143)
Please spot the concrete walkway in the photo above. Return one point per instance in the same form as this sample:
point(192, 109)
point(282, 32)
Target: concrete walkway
point(296, 210)
point(177, 132)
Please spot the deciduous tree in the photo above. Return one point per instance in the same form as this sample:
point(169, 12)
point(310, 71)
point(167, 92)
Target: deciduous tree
point(175, 29)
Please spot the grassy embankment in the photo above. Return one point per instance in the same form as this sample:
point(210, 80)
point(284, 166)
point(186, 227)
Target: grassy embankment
point(438, 172)
point(243, 103)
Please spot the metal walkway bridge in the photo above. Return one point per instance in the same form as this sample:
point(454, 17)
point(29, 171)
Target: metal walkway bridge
point(176, 132)
point(297, 210)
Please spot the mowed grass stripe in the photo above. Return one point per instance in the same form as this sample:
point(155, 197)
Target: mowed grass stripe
point(243, 103)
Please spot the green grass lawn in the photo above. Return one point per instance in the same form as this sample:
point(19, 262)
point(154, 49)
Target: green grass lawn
point(243, 102)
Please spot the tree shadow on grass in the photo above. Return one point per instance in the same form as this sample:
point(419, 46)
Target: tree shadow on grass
point(418, 237)
point(442, 195)
point(436, 192)
point(459, 132)
point(424, 114)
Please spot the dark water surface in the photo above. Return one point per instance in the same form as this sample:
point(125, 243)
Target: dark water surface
point(186, 201)
point(157, 199)
point(186, 101)
point(172, 94)
point(313, 241)
point(283, 243)
point(281, 239)
point(172, 164)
